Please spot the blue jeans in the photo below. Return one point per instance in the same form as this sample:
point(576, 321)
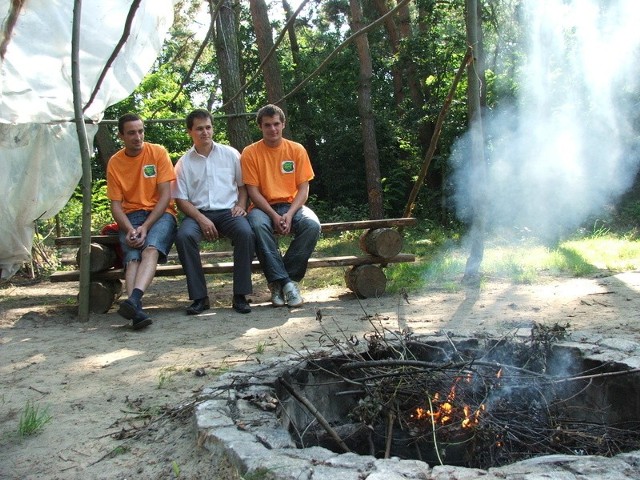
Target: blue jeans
point(160, 235)
point(305, 231)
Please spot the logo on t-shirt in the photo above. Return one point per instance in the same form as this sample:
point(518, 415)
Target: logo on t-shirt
point(149, 171)
point(288, 166)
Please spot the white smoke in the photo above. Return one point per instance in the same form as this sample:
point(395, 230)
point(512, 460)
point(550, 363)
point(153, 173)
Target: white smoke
point(567, 147)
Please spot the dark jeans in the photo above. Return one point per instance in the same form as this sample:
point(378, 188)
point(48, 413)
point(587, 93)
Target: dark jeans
point(238, 230)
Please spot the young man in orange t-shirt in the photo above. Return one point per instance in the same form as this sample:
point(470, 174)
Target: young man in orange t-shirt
point(139, 186)
point(277, 172)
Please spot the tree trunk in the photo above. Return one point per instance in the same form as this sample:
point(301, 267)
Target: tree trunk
point(264, 39)
point(371, 159)
point(410, 69)
point(394, 42)
point(476, 160)
point(304, 114)
point(102, 294)
point(229, 66)
point(105, 144)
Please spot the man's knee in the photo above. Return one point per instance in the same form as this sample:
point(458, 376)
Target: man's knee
point(309, 226)
point(186, 235)
point(150, 252)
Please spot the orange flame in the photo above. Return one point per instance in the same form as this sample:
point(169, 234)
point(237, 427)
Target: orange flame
point(446, 411)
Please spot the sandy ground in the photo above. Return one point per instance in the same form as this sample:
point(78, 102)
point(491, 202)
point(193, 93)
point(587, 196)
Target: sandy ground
point(119, 400)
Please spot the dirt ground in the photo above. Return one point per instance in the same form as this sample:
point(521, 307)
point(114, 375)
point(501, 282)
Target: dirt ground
point(101, 382)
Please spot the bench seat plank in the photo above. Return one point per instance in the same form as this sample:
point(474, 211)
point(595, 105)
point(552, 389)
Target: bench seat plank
point(227, 267)
point(326, 228)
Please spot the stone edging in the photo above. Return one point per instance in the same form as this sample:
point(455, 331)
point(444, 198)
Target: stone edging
point(236, 420)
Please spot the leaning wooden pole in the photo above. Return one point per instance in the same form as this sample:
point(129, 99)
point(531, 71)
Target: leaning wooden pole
point(85, 154)
point(411, 202)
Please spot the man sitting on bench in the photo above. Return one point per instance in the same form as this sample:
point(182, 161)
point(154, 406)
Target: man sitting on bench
point(209, 191)
point(277, 172)
point(139, 186)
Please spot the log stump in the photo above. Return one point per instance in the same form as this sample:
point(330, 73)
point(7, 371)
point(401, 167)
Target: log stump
point(382, 242)
point(102, 257)
point(102, 294)
point(366, 280)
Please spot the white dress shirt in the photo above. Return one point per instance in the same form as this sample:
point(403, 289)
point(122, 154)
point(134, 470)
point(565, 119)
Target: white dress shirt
point(211, 182)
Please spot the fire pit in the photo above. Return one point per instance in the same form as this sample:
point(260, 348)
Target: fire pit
point(413, 403)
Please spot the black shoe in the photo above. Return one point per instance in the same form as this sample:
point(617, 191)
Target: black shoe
point(128, 309)
point(141, 320)
point(240, 304)
point(199, 306)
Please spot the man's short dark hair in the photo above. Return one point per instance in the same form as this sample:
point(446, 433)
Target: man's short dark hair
point(269, 111)
point(198, 113)
point(127, 117)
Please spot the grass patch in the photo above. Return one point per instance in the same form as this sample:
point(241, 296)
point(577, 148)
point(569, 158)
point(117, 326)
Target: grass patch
point(33, 419)
point(166, 375)
point(441, 263)
point(441, 258)
point(261, 347)
point(258, 474)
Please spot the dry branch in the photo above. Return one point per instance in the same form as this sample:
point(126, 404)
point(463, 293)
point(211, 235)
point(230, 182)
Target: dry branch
point(314, 411)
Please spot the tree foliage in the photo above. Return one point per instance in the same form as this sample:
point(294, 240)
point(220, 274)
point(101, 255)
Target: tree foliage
point(415, 54)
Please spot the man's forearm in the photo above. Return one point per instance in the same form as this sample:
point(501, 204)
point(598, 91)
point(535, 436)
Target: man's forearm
point(301, 197)
point(259, 201)
point(161, 206)
point(120, 217)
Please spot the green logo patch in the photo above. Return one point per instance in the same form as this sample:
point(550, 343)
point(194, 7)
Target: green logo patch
point(149, 171)
point(288, 166)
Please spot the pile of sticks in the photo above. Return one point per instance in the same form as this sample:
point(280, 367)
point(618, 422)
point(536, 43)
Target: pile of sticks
point(479, 406)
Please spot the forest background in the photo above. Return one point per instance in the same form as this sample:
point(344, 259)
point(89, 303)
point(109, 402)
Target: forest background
point(365, 106)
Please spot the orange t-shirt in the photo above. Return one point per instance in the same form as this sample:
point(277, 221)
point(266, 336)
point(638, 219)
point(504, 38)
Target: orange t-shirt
point(278, 171)
point(134, 180)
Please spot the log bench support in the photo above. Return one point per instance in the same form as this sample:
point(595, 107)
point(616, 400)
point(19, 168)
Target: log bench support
point(380, 242)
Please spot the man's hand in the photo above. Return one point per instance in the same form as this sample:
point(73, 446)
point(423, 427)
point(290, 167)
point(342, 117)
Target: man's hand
point(209, 231)
point(136, 237)
point(282, 224)
point(238, 211)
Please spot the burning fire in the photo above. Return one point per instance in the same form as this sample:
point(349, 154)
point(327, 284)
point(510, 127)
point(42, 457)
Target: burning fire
point(443, 411)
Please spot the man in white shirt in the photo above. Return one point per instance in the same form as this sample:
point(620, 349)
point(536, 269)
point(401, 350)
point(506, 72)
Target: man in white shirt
point(210, 192)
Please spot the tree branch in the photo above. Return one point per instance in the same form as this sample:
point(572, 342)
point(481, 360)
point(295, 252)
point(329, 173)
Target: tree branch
point(314, 411)
point(123, 39)
point(268, 56)
point(340, 47)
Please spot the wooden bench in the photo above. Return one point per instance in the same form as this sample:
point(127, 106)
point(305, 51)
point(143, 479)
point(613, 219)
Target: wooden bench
point(381, 244)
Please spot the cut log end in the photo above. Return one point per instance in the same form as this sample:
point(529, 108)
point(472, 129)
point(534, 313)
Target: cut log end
point(382, 242)
point(102, 257)
point(366, 281)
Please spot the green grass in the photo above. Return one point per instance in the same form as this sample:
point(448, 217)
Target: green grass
point(176, 469)
point(258, 474)
point(32, 419)
point(261, 347)
point(441, 259)
point(166, 375)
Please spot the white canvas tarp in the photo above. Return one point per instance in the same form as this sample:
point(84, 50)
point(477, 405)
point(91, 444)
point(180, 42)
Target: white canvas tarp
point(39, 151)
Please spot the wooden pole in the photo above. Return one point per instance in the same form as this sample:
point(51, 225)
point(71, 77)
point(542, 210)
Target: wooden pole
point(85, 242)
point(477, 160)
